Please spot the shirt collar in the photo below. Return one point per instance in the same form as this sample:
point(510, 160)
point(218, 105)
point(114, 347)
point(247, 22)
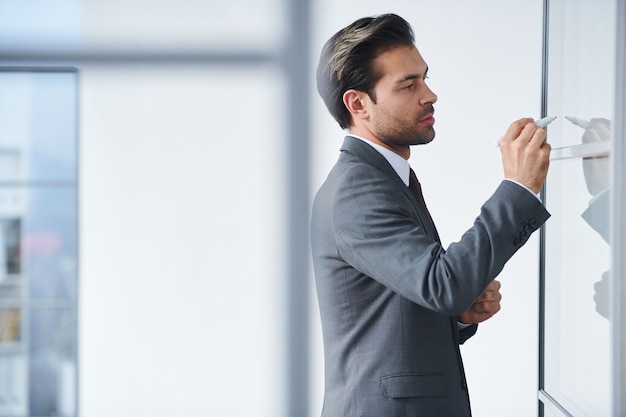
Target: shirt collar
point(398, 163)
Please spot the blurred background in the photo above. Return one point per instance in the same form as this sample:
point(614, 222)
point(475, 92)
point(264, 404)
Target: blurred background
point(157, 163)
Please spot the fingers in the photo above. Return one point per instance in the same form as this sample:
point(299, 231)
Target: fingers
point(526, 131)
point(516, 128)
point(531, 135)
point(494, 285)
point(491, 293)
point(538, 138)
point(489, 300)
point(525, 134)
point(488, 308)
point(526, 154)
point(485, 306)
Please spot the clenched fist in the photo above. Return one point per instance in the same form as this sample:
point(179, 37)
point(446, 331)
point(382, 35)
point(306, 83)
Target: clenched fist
point(485, 306)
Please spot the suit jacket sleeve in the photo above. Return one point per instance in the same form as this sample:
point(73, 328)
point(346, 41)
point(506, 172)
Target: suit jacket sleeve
point(378, 232)
point(467, 332)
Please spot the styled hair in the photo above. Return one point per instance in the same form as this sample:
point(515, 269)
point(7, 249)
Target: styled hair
point(346, 60)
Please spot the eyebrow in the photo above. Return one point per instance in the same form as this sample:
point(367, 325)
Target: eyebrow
point(412, 77)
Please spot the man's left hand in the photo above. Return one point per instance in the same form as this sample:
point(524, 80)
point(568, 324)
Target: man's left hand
point(484, 307)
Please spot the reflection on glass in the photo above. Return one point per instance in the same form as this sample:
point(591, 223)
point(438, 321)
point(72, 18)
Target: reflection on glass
point(580, 90)
point(581, 63)
point(577, 342)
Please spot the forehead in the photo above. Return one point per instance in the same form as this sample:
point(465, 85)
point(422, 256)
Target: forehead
point(399, 63)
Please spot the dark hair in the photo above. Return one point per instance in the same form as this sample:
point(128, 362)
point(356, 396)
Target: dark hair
point(346, 61)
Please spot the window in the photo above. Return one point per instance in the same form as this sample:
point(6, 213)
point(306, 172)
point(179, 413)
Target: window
point(38, 242)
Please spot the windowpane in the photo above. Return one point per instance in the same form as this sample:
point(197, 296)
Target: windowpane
point(49, 244)
point(52, 365)
point(39, 24)
point(38, 243)
point(38, 126)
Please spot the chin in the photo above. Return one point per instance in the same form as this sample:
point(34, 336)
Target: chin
point(423, 140)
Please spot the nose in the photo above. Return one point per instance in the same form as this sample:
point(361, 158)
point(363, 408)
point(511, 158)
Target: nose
point(428, 97)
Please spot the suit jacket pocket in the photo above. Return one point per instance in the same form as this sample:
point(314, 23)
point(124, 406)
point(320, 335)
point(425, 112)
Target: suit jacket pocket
point(424, 385)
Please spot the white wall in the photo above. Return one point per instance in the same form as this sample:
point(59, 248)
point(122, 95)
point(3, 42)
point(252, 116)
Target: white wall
point(181, 241)
point(182, 290)
point(484, 62)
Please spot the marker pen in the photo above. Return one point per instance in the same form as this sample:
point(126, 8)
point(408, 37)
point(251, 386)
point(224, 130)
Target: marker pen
point(579, 122)
point(542, 123)
point(545, 121)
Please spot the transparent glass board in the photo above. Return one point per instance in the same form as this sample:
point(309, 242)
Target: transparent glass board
point(581, 65)
point(577, 329)
point(580, 92)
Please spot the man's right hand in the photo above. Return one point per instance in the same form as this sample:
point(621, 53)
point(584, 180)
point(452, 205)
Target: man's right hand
point(525, 154)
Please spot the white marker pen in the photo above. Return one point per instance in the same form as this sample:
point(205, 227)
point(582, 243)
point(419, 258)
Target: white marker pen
point(579, 122)
point(542, 123)
point(545, 121)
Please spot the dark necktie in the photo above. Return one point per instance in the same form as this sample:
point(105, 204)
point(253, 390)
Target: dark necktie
point(416, 189)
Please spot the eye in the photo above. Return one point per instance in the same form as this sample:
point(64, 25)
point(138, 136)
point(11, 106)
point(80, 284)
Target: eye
point(408, 87)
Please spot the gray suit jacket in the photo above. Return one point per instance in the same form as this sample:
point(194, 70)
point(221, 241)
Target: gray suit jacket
point(389, 295)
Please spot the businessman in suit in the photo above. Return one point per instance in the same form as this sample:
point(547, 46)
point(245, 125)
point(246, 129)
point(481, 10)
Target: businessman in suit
point(394, 304)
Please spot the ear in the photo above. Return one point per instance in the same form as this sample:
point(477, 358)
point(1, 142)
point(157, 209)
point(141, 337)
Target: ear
point(357, 103)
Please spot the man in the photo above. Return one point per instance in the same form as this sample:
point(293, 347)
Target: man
point(395, 305)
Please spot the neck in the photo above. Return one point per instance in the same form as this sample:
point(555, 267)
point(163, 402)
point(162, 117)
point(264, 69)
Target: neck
point(403, 150)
